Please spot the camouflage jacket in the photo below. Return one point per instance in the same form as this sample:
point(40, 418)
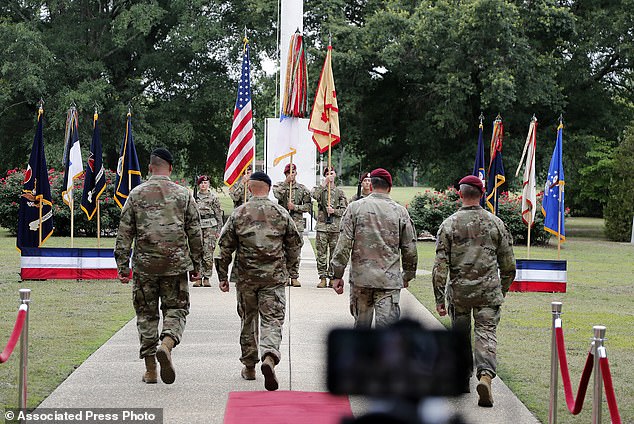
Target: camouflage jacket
point(380, 234)
point(162, 219)
point(356, 197)
point(266, 242)
point(301, 199)
point(236, 192)
point(338, 202)
point(210, 211)
point(471, 246)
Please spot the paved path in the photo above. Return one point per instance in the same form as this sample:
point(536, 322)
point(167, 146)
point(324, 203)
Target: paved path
point(208, 368)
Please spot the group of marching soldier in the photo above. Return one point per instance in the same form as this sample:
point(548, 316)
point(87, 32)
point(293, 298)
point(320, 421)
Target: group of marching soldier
point(174, 233)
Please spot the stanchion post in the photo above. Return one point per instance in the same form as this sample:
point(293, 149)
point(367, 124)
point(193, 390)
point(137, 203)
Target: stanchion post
point(597, 342)
point(25, 299)
point(554, 365)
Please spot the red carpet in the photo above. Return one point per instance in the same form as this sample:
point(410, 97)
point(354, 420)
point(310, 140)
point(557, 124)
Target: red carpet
point(281, 407)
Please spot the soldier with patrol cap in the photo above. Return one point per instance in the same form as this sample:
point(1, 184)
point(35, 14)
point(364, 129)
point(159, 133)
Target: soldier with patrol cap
point(296, 204)
point(238, 190)
point(267, 246)
point(475, 249)
point(364, 188)
point(162, 220)
point(381, 237)
point(211, 223)
point(331, 203)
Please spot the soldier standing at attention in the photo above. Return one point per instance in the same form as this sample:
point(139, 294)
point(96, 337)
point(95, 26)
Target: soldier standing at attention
point(471, 247)
point(162, 220)
point(237, 190)
point(267, 246)
point(211, 224)
point(299, 203)
point(364, 188)
point(329, 216)
point(380, 234)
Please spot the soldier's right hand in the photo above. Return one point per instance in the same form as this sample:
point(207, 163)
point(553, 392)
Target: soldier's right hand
point(125, 279)
point(337, 285)
point(224, 286)
point(441, 309)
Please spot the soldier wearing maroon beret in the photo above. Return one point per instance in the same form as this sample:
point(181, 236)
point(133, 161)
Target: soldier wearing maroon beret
point(238, 191)
point(211, 224)
point(364, 188)
point(475, 250)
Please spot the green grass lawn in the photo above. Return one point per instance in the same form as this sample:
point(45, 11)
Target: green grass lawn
point(599, 292)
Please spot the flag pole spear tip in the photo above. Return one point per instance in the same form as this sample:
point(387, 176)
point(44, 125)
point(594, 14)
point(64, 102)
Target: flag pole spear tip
point(481, 117)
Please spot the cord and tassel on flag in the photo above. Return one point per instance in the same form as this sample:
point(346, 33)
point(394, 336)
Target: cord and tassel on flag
point(496, 168)
point(553, 203)
point(478, 166)
point(128, 169)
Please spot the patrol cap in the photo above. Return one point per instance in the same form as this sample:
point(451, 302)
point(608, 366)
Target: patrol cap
point(363, 176)
point(163, 154)
point(327, 170)
point(473, 181)
point(383, 174)
point(201, 179)
point(287, 168)
point(260, 176)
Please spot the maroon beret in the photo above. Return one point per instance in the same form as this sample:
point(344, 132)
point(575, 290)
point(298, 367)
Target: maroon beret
point(473, 181)
point(327, 170)
point(363, 176)
point(382, 173)
point(201, 179)
point(287, 168)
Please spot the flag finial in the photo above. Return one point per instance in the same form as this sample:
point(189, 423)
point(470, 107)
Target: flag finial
point(40, 103)
point(481, 117)
point(534, 118)
point(129, 108)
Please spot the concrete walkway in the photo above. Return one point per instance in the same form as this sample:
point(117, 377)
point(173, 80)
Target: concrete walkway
point(208, 368)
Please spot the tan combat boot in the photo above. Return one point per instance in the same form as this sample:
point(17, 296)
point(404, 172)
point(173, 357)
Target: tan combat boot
point(248, 372)
point(198, 283)
point(295, 282)
point(164, 357)
point(268, 370)
point(322, 284)
point(206, 282)
point(484, 391)
point(150, 370)
point(330, 283)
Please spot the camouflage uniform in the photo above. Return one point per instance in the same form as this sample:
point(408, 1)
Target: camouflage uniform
point(267, 246)
point(236, 192)
point(326, 238)
point(162, 219)
point(380, 234)
point(356, 197)
point(301, 199)
point(471, 246)
point(211, 223)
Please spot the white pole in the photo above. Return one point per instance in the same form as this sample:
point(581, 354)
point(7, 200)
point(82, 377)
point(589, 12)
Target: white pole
point(632, 240)
point(290, 21)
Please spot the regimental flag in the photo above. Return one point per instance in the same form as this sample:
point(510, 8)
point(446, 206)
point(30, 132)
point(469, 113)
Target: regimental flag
point(324, 118)
point(95, 179)
point(478, 166)
point(529, 194)
point(36, 202)
point(242, 142)
point(553, 203)
point(128, 169)
point(73, 166)
point(295, 98)
point(496, 168)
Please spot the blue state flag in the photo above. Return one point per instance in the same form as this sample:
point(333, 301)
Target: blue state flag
point(478, 166)
point(553, 203)
point(128, 169)
point(95, 177)
point(35, 218)
point(496, 168)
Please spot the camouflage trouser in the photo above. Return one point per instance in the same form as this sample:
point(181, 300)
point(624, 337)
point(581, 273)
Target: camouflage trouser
point(486, 319)
point(209, 245)
point(266, 304)
point(366, 302)
point(173, 292)
point(325, 244)
point(298, 218)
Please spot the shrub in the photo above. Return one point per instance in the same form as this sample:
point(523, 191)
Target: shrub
point(11, 189)
point(429, 209)
point(619, 210)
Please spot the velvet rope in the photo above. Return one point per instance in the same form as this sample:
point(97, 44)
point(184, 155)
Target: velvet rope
point(574, 405)
point(15, 335)
point(609, 390)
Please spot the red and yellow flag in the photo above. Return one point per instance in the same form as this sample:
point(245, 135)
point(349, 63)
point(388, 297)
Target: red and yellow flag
point(324, 118)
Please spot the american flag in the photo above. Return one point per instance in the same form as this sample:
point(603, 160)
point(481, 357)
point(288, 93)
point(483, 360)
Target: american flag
point(242, 143)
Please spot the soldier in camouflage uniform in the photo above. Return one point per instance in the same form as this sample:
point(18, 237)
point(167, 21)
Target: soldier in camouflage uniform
point(296, 206)
point(267, 246)
point(472, 245)
point(328, 219)
point(380, 234)
point(364, 188)
point(162, 220)
point(211, 223)
point(237, 190)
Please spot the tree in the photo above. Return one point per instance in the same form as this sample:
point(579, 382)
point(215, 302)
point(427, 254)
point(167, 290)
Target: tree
point(619, 210)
